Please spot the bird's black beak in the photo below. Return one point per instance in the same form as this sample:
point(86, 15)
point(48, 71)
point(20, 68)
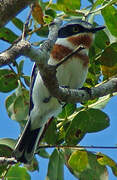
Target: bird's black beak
point(95, 29)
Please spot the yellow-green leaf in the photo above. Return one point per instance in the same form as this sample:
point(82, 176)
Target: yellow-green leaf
point(78, 160)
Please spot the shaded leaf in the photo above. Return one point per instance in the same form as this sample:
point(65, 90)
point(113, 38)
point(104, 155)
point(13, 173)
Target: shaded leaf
point(26, 80)
point(87, 121)
point(8, 80)
point(109, 71)
point(97, 120)
point(103, 38)
point(109, 56)
point(55, 167)
point(18, 23)
point(6, 148)
point(20, 67)
point(51, 134)
point(75, 132)
point(33, 166)
point(67, 111)
point(43, 153)
point(43, 31)
point(7, 35)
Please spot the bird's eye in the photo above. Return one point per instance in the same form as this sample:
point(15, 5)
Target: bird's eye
point(75, 29)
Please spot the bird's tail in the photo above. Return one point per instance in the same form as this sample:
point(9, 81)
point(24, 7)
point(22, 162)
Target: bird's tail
point(27, 143)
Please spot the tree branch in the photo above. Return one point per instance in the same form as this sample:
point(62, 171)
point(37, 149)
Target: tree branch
point(48, 72)
point(4, 161)
point(10, 8)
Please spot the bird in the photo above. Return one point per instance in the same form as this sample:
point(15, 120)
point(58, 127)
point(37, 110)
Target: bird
point(71, 73)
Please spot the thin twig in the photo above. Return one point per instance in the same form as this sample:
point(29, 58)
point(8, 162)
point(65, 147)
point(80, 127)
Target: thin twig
point(6, 161)
point(77, 147)
point(26, 24)
point(79, 48)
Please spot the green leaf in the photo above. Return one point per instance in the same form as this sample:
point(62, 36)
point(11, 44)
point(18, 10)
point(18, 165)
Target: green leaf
point(43, 31)
point(78, 160)
point(8, 80)
point(17, 105)
point(18, 23)
point(6, 148)
point(109, 56)
point(20, 67)
point(69, 4)
point(97, 3)
point(26, 80)
point(94, 170)
point(75, 132)
point(105, 160)
point(43, 153)
point(33, 166)
point(110, 16)
point(8, 142)
point(87, 121)
point(55, 167)
point(103, 38)
point(7, 35)
point(101, 102)
point(18, 173)
point(96, 121)
point(51, 133)
point(67, 111)
point(9, 102)
point(50, 12)
point(21, 106)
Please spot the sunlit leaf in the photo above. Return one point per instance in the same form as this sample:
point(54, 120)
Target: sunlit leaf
point(110, 16)
point(101, 102)
point(21, 106)
point(78, 160)
point(16, 172)
point(8, 142)
point(105, 160)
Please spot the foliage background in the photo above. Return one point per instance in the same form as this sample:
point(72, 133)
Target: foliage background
point(106, 137)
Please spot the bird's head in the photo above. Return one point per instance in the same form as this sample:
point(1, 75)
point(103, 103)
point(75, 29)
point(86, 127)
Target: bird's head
point(79, 32)
point(72, 35)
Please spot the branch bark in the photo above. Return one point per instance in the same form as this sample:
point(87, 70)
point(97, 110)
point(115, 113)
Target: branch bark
point(10, 8)
point(48, 72)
